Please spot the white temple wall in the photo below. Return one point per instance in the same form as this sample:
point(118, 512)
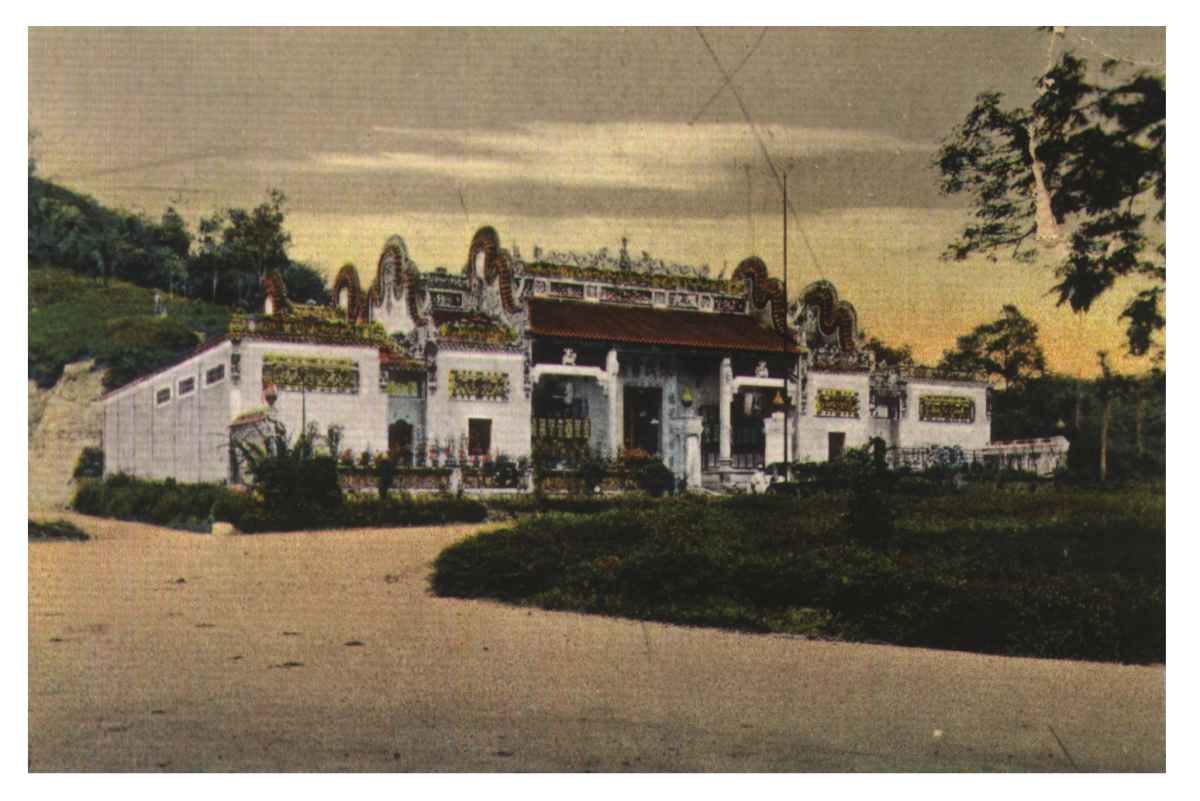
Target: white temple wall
point(917, 433)
point(447, 417)
point(363, 415)
point(184, 437)
point(812, 431)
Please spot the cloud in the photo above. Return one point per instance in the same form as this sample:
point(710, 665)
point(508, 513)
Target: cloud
point(659, 156)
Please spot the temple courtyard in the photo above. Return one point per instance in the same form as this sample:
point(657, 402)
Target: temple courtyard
point(157, 650)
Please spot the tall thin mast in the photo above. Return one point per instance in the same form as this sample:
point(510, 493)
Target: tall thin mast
point(786, 349)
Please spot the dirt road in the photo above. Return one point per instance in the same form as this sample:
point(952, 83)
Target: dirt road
point(153, 650)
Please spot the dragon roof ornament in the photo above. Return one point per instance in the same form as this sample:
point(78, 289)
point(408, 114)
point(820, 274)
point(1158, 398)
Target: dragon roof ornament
point(824, 319)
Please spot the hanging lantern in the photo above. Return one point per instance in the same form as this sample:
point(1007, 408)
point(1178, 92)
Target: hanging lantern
point(778, 400)
point(685, 396)
point(270, 394)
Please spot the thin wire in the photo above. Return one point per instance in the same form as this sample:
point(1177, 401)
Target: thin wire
point(762, 145)
point(1113, 56)
point(730, 78)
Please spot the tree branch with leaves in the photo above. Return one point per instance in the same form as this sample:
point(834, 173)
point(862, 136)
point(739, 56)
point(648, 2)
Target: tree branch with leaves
point(1080, 173)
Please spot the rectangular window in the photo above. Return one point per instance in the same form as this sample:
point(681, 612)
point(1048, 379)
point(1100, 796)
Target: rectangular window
point(489, 385)
point(186, 387)
point(162, 396)
point(837, 403)
point(479, 436)
point(946, 409)
point(310, 374)
point(214, 375)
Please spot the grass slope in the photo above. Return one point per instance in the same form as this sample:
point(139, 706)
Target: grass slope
point(70, 318)
point(1067, 573)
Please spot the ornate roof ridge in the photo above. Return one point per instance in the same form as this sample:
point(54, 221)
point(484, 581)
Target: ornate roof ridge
point(650, 280)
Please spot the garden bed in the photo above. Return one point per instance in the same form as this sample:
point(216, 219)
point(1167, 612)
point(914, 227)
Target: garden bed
point(1074, 573)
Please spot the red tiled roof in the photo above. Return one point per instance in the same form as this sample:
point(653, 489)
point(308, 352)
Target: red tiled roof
point(633, 324)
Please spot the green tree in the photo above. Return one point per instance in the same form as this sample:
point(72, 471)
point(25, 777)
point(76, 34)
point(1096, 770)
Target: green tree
point(885, 353)
point(238, 247)
point(305, 283)
point(209, 263)
point(1083, 158)
point(1006, 348)
point(256, 241)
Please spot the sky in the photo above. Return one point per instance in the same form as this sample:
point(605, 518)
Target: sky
point(575, 139)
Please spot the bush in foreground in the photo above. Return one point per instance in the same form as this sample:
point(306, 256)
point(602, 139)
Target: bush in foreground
point(40, 531)
point(1075, 574)
point(194, 507)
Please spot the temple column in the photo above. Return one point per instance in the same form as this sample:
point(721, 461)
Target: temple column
point(725, 452)
point(616, 405)
point(692, 428)
point(773, 431)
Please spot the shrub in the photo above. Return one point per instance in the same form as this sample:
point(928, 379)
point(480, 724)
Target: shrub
point(648, 473)
point(1079, 574)
point(164, 503)
point(593, 468)
point(504, 472)
point(869, 510)
point(232, 507)
point(56, 530)
point(386, 470)
point(298, 488)
point(90, 464)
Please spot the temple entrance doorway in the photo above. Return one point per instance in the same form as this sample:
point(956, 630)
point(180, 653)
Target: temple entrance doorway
point(643, 418)
point(748, 439)
point(400, 442)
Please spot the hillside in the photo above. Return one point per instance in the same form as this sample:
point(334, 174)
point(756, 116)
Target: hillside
point(72, 317)
point(82, 335)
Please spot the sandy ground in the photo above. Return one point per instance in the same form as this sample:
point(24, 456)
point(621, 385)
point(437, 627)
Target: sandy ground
point(153, 650)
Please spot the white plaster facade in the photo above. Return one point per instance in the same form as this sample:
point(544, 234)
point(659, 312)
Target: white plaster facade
point(812, 441)
point(184, 436)
point(363, 415)
point(448, 418)
point(696, 393)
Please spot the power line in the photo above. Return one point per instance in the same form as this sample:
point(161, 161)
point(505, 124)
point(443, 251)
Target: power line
point(729, 79)
point(762, 145)
point(1113, 56)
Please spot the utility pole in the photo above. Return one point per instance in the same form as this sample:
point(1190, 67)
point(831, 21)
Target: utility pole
point(786, 344)
point(749, 208)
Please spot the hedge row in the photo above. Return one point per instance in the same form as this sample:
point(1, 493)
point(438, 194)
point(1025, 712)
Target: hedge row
point(194, 507)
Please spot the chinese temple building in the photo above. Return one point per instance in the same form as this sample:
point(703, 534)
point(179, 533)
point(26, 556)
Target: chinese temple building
point(556, 353)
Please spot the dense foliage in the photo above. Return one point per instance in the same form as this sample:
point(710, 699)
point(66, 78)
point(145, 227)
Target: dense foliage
point(1006, 348)
point(223, 262)
point(43, 531)
point(164, 503)
point(194, 507)
point(72, 318)
point(1080, 173)
point(1055, 404)
point(90, 464)
point(1055, 573)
